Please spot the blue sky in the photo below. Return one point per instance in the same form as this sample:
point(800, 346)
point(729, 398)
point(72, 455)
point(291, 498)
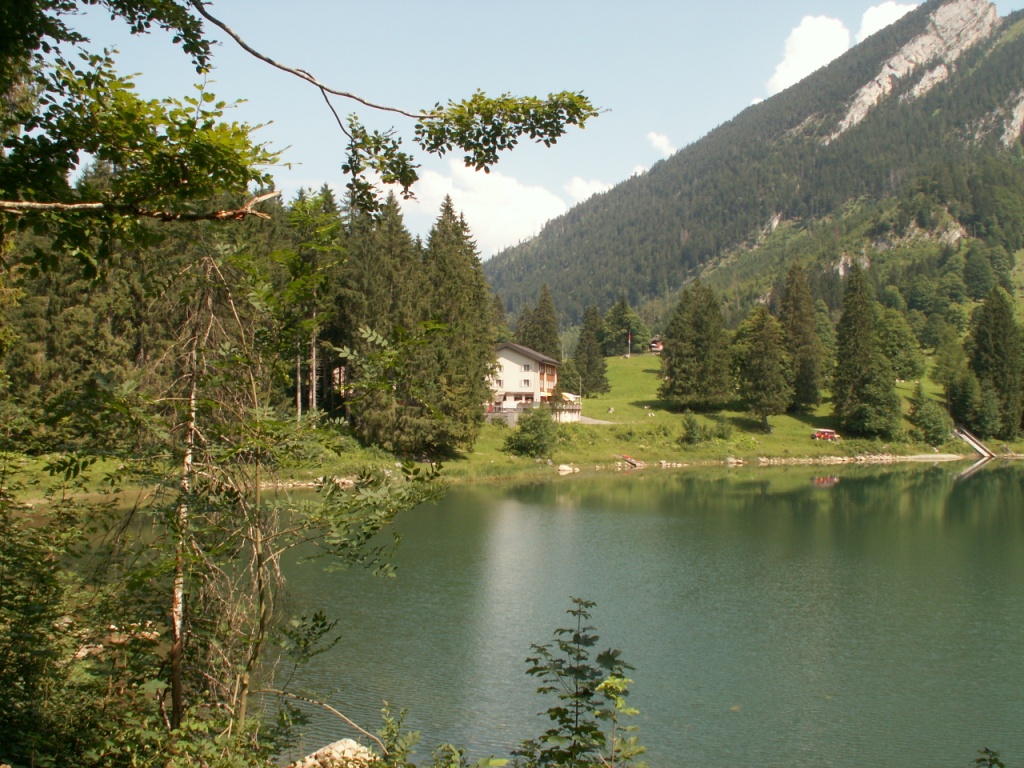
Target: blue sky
point(666, 71)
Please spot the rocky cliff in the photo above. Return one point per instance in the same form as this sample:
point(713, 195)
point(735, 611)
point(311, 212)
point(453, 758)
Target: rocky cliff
point(952, 29)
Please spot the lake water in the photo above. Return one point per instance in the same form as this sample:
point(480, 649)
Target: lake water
point(774, 618)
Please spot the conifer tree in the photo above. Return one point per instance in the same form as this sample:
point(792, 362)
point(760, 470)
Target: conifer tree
point(864, 398)
point(763, 365)
point(900, 345)
point(376, 291)
point(995, 349)
point(799, 323)
point(501, 330)
point(589, 358)
point(524, 326)
point(456, 364)
point(695, 361)
point(538, 329)
point(826, 331)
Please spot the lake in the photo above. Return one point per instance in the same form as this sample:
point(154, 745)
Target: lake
point(776, 617)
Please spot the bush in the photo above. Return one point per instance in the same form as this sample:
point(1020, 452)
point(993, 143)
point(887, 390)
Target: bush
point(535, 436)
point(933, 423)
point(695, 431)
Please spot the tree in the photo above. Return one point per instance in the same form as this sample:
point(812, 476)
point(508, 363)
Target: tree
point(538, 328)
point(458, 361)
point(900, 345)
point(624, 330)
point(173, 157)
point(864, 398)
point(501, 330)
point(799, 324)
point(826, 331)
point(434, 316)
point(589, 357)
point(763, 365)
point(316, 254)
point(695, 362)
point(995, 350)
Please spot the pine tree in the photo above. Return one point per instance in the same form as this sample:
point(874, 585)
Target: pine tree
point(763, 365)
point(537, 328)
point(900, 345)
point(799, 323)
point(378, 290)
point(524, 326)
point(995, 349)
point(501, 330)
point(589, 358)
point(695, 362)
point(455, 365)
point(826, 331)
point(864, 398)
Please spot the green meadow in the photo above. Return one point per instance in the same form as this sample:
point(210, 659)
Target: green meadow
point(641, 426)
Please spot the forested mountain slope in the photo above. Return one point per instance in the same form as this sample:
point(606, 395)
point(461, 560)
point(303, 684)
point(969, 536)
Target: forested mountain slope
point(935, 97)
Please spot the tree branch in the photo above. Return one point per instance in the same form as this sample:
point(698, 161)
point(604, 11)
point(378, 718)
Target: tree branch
point(329, 708)
point(200, 7)
point(234, 214)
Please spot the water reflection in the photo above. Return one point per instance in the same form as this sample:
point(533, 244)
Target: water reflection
point(773, 620)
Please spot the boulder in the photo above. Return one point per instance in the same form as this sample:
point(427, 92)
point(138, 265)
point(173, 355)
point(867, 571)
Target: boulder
point(341, 754)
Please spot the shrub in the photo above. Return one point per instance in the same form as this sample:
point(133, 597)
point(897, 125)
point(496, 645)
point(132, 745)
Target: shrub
point(535, 435)
point(695, 431)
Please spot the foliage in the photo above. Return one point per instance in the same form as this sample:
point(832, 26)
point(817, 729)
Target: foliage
point(589, 356)
point(174, 155)
point(588, 724)
point(695, 361)
point(864, 399)
point(763, 365)
point(805, 349)
point(995, 351)
point(624, 331)
point(900, 345)
point(989, 758)
point(930, 418)
point(537, 329)
point(535, 435)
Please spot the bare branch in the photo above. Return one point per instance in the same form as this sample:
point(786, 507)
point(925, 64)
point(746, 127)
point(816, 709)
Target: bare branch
point(329, 708)
point(299, 73)
point(233, 214)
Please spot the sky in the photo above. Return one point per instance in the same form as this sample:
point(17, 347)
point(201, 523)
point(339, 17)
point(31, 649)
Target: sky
point(664, 72)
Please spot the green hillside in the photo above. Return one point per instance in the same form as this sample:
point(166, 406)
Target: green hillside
point(928, 158)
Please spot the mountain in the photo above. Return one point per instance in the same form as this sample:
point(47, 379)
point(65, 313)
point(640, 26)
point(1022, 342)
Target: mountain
point(937, 94)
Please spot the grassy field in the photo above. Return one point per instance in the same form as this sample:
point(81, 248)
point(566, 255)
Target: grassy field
point(644, 428)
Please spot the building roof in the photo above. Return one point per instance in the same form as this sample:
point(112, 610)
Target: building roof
point(527, 352)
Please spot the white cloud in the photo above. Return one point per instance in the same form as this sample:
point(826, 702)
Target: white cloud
point(820, 39)
point(500, 210)
point(580, 189)
point(810, 46)
point(879, 17)
point(661, 143)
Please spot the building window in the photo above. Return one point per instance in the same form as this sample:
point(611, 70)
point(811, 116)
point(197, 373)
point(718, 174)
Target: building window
point(526, 382)
point(500, 383)
point(526, 368)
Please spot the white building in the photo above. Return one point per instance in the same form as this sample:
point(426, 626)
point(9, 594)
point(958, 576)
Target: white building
point(522, 376)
